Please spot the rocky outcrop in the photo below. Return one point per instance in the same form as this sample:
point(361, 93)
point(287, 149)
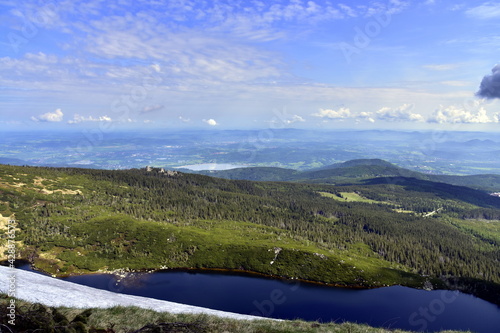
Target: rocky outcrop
point(168, 173)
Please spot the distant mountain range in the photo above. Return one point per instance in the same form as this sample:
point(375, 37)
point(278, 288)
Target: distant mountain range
point(354, 172)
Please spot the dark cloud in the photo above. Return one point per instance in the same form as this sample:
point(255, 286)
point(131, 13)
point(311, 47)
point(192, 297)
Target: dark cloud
point(490, 85)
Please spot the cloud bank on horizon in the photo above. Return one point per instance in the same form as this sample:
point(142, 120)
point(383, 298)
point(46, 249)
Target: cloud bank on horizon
point(230, 64)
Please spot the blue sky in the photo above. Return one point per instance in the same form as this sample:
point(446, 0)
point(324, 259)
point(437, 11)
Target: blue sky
point(249, 64)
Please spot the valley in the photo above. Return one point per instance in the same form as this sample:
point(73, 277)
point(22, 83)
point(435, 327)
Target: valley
point(434, 152)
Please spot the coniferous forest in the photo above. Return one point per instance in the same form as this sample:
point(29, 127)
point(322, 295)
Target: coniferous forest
point(382, 231)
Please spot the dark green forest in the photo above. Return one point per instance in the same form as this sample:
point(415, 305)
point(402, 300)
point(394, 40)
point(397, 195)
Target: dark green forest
point(376, 232)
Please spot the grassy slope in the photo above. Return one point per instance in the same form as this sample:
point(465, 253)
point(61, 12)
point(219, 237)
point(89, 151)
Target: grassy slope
point(129, 319)
point(217, 244)
point(108, 239)
point(488, 230)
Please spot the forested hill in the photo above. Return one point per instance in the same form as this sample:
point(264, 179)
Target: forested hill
point(398, 231)
point(353, 171)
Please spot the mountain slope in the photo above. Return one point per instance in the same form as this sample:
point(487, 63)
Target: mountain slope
point(441, 190)
point(355, 171)
point(358, 162)
point(74, 221)
point(254, 173)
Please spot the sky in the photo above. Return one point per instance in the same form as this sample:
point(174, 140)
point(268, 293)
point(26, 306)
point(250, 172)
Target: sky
point(231, 64)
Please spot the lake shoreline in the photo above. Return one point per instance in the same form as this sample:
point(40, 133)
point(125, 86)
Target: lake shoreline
point(236, 292)
point(123, 273)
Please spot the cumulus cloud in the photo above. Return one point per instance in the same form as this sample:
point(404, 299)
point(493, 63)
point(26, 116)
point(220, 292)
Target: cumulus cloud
point(210, 122)
point(459, 115)
point(295, 119)
point(367, 115)
point(184, 120)
point(80, 119)
point(285, 119)
point(341, 113)
point(402, 113)
point(490, 85)
point(55, 116)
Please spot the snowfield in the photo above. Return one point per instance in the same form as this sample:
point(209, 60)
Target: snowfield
point(49, 291)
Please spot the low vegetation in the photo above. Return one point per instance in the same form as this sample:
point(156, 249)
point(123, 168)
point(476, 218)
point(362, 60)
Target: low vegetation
point(36, 317)
point(390, 230)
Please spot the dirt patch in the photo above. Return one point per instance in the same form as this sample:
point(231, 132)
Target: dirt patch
point(4, 221)
point(45, 191)
point(38, 182)
point(40, 187)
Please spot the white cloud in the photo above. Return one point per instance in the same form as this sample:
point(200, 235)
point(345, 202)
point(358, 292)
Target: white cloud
point(195, 50)
point(366, 115)
point(341, 113)
point(197, 56)
point(487, 10)
point(80, 119)
point(348, 10)
point(182, 49)
point(156, 68)
point(458, 115)
point(210, 122)
point(402, 113)
point(294, 119)
point(496, 117)
point(55, 116)
point(184, 120)
point(396, 6)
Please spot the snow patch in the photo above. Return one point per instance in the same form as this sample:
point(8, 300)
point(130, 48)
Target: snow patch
point(37, 288)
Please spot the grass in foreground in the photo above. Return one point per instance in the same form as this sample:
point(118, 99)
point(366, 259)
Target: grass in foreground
point(131, 319)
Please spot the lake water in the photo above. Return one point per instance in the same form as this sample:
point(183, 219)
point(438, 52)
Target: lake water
point(391, 307)
point(212, 166)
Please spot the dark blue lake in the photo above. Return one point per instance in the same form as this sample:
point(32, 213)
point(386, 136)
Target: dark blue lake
point(391, 307)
